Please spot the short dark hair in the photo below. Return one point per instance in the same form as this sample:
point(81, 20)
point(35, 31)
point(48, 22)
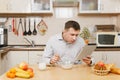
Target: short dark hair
point(72, 24)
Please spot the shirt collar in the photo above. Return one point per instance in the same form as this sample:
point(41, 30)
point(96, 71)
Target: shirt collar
point(60, 36)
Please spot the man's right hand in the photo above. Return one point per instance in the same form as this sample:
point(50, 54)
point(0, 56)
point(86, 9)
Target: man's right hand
point(55, 59)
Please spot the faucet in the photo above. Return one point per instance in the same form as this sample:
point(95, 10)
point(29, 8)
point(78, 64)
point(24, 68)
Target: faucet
point(31, 42)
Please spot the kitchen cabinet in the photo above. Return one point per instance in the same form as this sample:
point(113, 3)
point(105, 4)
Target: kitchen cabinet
point(110, 6)
point(34, 57)
point(14, 6)
point(99, 7)
point(15, 57)
point(41, 6)
point(3, 63)
point(19, 6)
point(26, 6)
point(0, 65)
point(107, 57)
point(4, 6)
point(89, 6)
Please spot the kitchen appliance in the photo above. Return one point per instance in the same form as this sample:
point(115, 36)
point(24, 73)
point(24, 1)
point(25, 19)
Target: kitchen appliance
point(108, 39)
point(3, 37)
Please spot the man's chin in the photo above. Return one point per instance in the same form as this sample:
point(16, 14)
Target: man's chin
point(71, 42)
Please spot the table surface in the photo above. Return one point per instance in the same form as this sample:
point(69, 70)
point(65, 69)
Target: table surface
point(78, 72)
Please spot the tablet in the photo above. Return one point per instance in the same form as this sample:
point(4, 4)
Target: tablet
point(87, 50)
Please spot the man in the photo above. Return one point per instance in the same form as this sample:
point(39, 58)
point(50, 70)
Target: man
point(65, 46)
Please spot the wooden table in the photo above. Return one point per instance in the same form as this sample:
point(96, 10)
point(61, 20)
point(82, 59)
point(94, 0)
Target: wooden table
point(78, 72)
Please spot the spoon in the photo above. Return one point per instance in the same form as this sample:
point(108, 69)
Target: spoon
point(25, 32)
point(29, 32)
point(34, 31)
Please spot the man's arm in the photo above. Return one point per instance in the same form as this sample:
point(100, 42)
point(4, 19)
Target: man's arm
point(48, 53)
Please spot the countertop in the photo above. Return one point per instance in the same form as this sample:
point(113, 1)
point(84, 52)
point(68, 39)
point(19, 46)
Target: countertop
point(21, 48)
point(41, 48)
point(78, 72)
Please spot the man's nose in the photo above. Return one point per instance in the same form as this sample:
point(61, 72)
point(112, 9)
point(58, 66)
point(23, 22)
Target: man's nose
point(74, 37)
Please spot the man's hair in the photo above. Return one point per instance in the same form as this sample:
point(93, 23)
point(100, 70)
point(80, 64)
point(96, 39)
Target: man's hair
point(72, 24)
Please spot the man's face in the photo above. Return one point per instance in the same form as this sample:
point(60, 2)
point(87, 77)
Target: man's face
point(70, 35)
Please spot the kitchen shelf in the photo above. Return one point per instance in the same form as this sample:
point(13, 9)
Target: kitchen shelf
point(98, 14)
point(24, 14)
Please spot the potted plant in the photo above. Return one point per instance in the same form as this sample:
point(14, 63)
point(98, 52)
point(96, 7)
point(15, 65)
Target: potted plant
point(85, 34)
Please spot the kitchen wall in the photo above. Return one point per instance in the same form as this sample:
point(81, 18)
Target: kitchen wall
point(56, 25)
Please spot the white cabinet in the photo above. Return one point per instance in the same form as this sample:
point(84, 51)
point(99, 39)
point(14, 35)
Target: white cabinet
point(3, 63)
point(0, 65)
point(19, 6)
point(89, 6)
point(26, 6)
point(15, 57)
point(110, 6)
point(107, 57)
point(113, 57)
point(99, 6)
point(15, 6)
point(41, 6)
point(4, 6)
point(34, 57)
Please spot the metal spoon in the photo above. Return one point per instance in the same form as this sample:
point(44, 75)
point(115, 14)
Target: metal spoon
point(34, 31)
point(29, 32)
point(25, 32)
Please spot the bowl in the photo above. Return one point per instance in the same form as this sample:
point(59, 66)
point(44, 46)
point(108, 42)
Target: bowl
point(66, 65)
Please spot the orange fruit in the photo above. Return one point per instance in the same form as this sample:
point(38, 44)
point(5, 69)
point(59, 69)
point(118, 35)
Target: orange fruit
point(86, 41)
point(31, 74)
point(12, 70)
point(12, 75)
point(8, 74)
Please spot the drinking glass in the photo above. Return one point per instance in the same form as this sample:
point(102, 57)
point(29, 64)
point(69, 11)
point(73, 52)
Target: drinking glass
point(104, 58)
point(42, 65)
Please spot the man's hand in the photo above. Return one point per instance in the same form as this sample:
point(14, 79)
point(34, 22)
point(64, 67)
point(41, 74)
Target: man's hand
point(55, 59)
point(87, 60)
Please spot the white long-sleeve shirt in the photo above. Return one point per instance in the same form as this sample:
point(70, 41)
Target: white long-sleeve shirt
point(56, 45)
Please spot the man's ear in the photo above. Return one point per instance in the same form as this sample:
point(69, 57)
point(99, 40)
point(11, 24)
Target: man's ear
point(64, 31)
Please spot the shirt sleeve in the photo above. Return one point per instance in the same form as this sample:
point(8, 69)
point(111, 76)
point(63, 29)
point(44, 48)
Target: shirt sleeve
point(48, 52)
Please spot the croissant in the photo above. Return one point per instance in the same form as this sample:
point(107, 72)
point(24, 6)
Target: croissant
point(115, 70)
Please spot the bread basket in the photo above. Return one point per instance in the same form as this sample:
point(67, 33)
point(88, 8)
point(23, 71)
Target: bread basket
point(100, 72)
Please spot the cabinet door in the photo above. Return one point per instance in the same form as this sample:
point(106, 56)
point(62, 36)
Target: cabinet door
point(110, 6)
point(41, 6)
point(19, 6)
point(113, 57)
point(97, 55)
point(15, 57)
point(34, 57)
point(89, 6)
point(4, 6)
point(0, 65)
point(107, 57)
point(3, 63)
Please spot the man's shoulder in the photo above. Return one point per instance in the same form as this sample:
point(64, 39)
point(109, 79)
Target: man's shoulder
point(55, 37)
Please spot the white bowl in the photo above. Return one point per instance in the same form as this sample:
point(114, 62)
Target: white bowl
point(66, 65)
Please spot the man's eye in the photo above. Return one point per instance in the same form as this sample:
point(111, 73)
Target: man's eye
point(76, 34)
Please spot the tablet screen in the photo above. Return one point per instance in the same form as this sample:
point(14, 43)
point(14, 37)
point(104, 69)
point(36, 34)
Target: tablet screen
point(87, 50)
